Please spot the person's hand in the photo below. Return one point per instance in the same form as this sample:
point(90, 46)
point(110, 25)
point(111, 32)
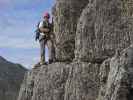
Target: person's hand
point(46, 30)
point(36, 38)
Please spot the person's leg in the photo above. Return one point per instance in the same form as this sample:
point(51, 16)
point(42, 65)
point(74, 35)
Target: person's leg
point(52, 36)
point(50, 50)
point(53, 51)
point(42, 51)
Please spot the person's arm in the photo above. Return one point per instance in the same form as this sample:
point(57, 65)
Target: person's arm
point(44, 30)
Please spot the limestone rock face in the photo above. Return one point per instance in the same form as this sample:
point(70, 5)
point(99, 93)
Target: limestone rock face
point(66, 14)
point(111, 80)
point(94, 54)
point(59, 81)
point(27, 87)
point(82, 82)
point(45, 83)
point(102, 29)
point(118, 85)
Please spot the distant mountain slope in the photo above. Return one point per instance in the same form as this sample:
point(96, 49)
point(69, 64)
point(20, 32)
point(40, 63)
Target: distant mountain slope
point(11, 76)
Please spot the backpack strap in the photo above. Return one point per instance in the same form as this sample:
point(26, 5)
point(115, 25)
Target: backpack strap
point(37, 32)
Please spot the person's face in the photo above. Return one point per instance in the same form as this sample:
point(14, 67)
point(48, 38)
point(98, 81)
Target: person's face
point(47, 19)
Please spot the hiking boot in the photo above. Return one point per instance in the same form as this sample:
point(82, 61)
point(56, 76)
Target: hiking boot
point(37, 65)
point(43, 63)
point(51, 61)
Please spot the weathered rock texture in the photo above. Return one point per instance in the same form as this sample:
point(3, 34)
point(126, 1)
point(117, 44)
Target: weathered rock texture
point(60, 81)
point(94, 51)
point(11, 77)
point(102, 29)
point(119, 82)
point(66, 14)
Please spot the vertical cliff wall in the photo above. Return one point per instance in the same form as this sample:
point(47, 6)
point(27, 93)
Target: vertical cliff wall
point(94, 54)
point(66, 14)
point(102, 29)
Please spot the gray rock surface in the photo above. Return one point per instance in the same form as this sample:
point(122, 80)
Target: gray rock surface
point(94, 52)
point(61, 81)
point(83, 82)
point(102, 29)
point(11, 76)
point(66, 14)
point(45, 83)
point(119, 84)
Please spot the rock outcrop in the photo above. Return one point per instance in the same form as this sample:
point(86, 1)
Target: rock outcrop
point(94, 51)
point(66, 14)
point(11, 77)
point(119, 82)
point(102, 29)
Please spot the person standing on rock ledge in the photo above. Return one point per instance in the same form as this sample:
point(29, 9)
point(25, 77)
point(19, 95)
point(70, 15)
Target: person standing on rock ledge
point(44, 35)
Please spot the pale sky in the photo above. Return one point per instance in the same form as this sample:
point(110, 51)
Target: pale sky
point(18, 20)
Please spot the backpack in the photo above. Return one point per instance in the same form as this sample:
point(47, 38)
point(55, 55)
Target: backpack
point(37, 32)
